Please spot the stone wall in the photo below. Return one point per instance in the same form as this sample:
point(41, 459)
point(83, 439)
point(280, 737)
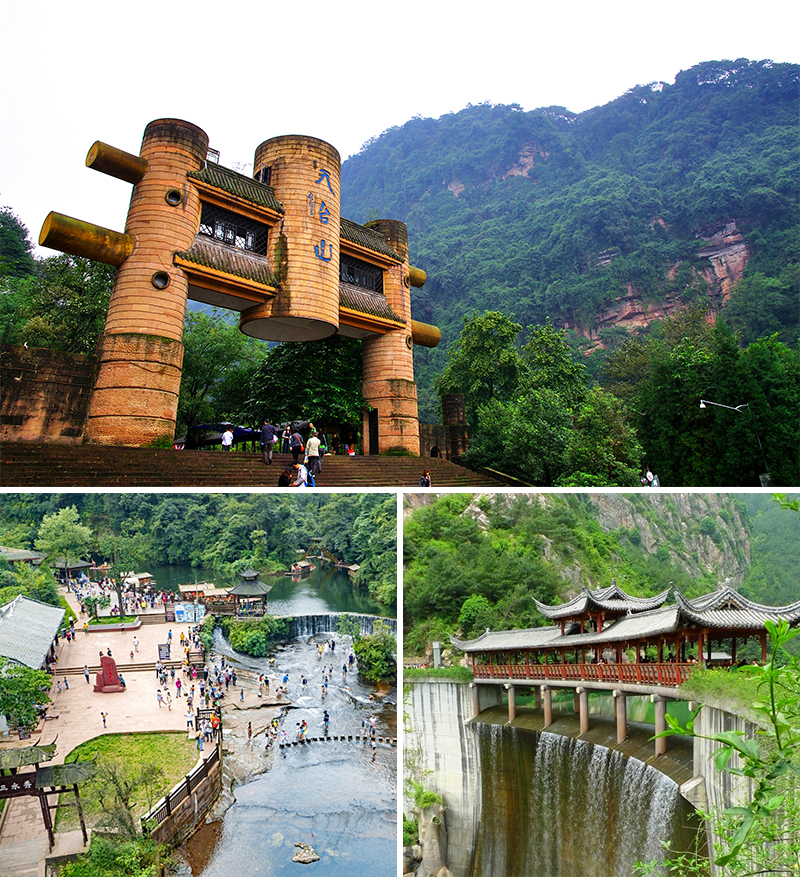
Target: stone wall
point(190, 812)
point(441, 753)
point(45, 394)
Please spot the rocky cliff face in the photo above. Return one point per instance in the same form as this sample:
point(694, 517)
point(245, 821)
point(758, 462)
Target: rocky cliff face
point(727, 254)
point(700, 533)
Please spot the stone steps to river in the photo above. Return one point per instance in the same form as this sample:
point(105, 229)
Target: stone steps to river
point(358, 739)
point(31, 464)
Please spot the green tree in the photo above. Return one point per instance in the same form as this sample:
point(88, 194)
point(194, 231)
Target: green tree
point(16, 250)
point(23, 692)
point(377, 654)
point(38, 583)
point(62, 536)
point(602, 449)
point(218, 363)
point(550, 363)
point(484, 363)
point(476, 615)
point(318, 381)
point(64, 305)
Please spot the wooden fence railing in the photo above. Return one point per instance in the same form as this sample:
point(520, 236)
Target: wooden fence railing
point(164, 807)
point(655, 674)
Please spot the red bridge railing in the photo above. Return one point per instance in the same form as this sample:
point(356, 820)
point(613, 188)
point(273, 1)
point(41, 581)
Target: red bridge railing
point(655, 674)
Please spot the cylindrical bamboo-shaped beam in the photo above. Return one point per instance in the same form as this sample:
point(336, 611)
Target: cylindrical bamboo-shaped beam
point(116, 162)
point(80, 238)
point(425, 334)
point(416, 276)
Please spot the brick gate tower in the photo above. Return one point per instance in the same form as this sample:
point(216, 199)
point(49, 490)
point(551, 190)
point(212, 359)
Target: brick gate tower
point(273, 247)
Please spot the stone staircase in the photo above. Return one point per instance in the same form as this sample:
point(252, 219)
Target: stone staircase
point(35, 465)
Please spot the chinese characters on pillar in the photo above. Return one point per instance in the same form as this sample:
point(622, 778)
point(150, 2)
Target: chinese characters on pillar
point(323, 250)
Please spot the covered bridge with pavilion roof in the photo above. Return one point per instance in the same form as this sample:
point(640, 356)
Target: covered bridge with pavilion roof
point(587, 650)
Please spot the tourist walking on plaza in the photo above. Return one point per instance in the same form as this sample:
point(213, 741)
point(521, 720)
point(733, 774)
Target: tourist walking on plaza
point(86, 673)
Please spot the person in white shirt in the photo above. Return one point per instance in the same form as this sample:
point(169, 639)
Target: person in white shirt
point(312, 454)
point(302, 476)
point(227, 439)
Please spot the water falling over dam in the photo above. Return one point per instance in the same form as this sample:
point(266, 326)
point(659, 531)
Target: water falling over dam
point(524, 799)
point(310, 625)
point(554, 805)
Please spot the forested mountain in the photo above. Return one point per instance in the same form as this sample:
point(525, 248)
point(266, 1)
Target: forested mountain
point(226, 531)
point(670, 195)
point(476, 561)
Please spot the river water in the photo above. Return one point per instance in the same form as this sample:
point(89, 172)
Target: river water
point(325, 590)
point(554, 805)
point(337, 796)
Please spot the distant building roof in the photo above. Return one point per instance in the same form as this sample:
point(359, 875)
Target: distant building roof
point(11, 555)
point(27, 629)
point(73, 564)
point(726, 608)
point(250, 586)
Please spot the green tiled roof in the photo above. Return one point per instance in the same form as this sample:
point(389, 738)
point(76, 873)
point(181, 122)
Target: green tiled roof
point(238, 185)
point(368, 238)
point(356, 299)
point(206, 251)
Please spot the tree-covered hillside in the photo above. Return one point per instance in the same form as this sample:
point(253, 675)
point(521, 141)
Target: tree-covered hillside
point(477, 561)
point(552, 213)
point(226, 531)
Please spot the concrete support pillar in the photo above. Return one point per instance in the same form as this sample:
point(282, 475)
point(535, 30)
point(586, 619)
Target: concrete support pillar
point(388, 360)
point(576, 701)
point(661, 723)
point(135, 398)
point(621, 712)
point(583, 709)
point(512, 702)
point(476, 705)
point(537, 698)
point(547, 698)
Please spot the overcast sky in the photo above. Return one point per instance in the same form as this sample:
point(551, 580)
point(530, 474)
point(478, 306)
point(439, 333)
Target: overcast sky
point(76, 72)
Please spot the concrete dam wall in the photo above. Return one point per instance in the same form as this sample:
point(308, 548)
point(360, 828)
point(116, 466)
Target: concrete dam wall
point(482, 767)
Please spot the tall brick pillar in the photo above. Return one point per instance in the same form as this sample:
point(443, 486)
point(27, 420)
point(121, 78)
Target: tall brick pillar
point(135, 397)
point(388, 360)
point(305, 174)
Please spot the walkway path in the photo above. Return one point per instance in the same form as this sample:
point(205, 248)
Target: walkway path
point(23, 839)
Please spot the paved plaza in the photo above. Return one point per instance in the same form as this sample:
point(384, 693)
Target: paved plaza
point(23, 839)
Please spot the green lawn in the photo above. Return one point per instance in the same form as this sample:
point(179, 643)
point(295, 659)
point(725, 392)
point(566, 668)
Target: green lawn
point(172, 752)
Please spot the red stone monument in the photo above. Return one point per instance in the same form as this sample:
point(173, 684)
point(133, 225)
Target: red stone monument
point(107, 680)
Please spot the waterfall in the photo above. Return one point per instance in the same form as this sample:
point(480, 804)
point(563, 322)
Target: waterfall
point(308, 626)
point(554, 805)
